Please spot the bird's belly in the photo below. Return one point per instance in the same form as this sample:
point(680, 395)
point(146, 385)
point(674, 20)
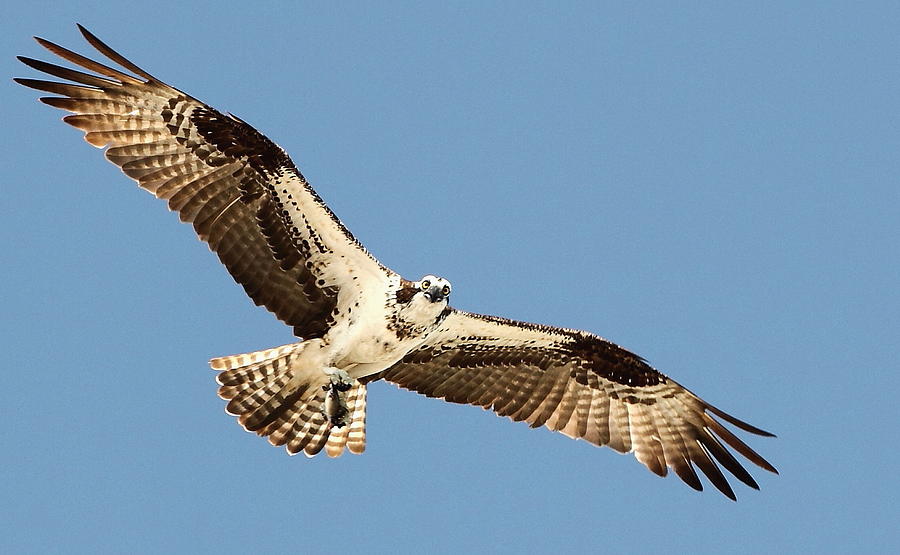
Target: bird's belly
point(370, 345)
point(379, 347)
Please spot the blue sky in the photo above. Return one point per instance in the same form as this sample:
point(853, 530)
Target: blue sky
point(711, 186)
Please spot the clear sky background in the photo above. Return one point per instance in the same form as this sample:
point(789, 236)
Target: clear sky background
point(713, 186)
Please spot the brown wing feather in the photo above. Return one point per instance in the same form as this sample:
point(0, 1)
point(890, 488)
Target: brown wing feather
point(213, 169)
point(582, 386)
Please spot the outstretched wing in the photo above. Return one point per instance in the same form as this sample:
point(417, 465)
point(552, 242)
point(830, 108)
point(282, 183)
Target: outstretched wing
point(581, 385)
point(240, 190)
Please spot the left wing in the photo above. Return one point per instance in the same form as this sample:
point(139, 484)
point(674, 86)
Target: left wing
point(240, 190)
point(581, 385)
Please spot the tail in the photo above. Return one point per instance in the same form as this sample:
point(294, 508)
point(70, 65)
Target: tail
point(272, 397)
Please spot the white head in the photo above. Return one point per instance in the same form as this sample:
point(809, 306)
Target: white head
point(435, 289)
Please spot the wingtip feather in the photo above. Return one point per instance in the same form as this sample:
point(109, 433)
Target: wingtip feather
point(105, 49)
point(737, 421)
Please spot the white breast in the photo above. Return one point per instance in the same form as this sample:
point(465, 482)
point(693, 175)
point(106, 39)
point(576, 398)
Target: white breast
point(374, 335)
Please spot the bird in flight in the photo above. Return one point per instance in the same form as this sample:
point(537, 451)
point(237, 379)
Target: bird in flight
point(357, 320)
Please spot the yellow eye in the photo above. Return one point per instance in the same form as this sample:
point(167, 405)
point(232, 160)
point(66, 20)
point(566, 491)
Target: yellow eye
point(445, 291)
point(426, 284)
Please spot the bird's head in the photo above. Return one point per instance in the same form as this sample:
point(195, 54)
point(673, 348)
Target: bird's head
point(434, 288)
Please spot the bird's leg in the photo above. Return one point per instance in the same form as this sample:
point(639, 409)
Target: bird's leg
point(338, 379)
point(335, 409)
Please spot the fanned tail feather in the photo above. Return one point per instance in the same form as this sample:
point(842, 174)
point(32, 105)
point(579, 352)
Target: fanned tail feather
point(353, 435)
point(274, 398)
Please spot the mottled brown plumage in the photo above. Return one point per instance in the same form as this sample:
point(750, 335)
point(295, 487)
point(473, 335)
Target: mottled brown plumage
point(578, 384)
point(160, 137)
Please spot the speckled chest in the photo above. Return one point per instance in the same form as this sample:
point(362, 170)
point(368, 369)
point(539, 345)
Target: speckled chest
point(379, 327)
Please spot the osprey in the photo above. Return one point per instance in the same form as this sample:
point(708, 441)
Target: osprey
point(358, 321)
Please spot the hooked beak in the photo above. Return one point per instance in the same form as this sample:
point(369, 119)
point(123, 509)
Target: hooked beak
point(434, 294)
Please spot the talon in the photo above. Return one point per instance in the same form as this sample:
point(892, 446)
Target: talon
point(343, 386)
point(339, 379)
